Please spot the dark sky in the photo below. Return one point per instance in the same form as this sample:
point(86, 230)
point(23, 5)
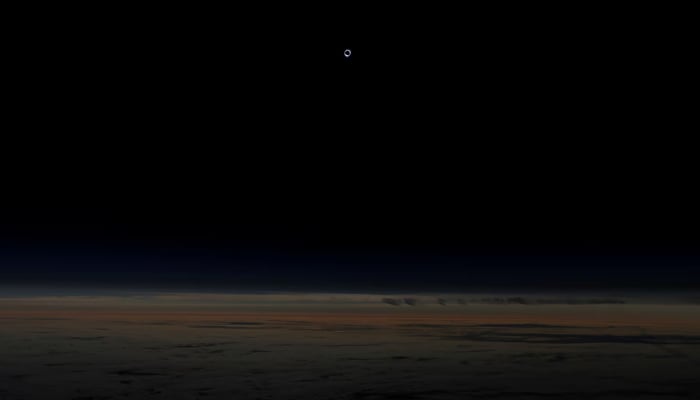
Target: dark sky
point(488, 149)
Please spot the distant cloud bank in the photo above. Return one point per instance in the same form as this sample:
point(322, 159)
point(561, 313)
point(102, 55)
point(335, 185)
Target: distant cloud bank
point(501, 300)
point(329, 301)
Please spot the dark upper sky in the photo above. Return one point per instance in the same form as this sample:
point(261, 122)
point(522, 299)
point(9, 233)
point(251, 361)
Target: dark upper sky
point(493, 149)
